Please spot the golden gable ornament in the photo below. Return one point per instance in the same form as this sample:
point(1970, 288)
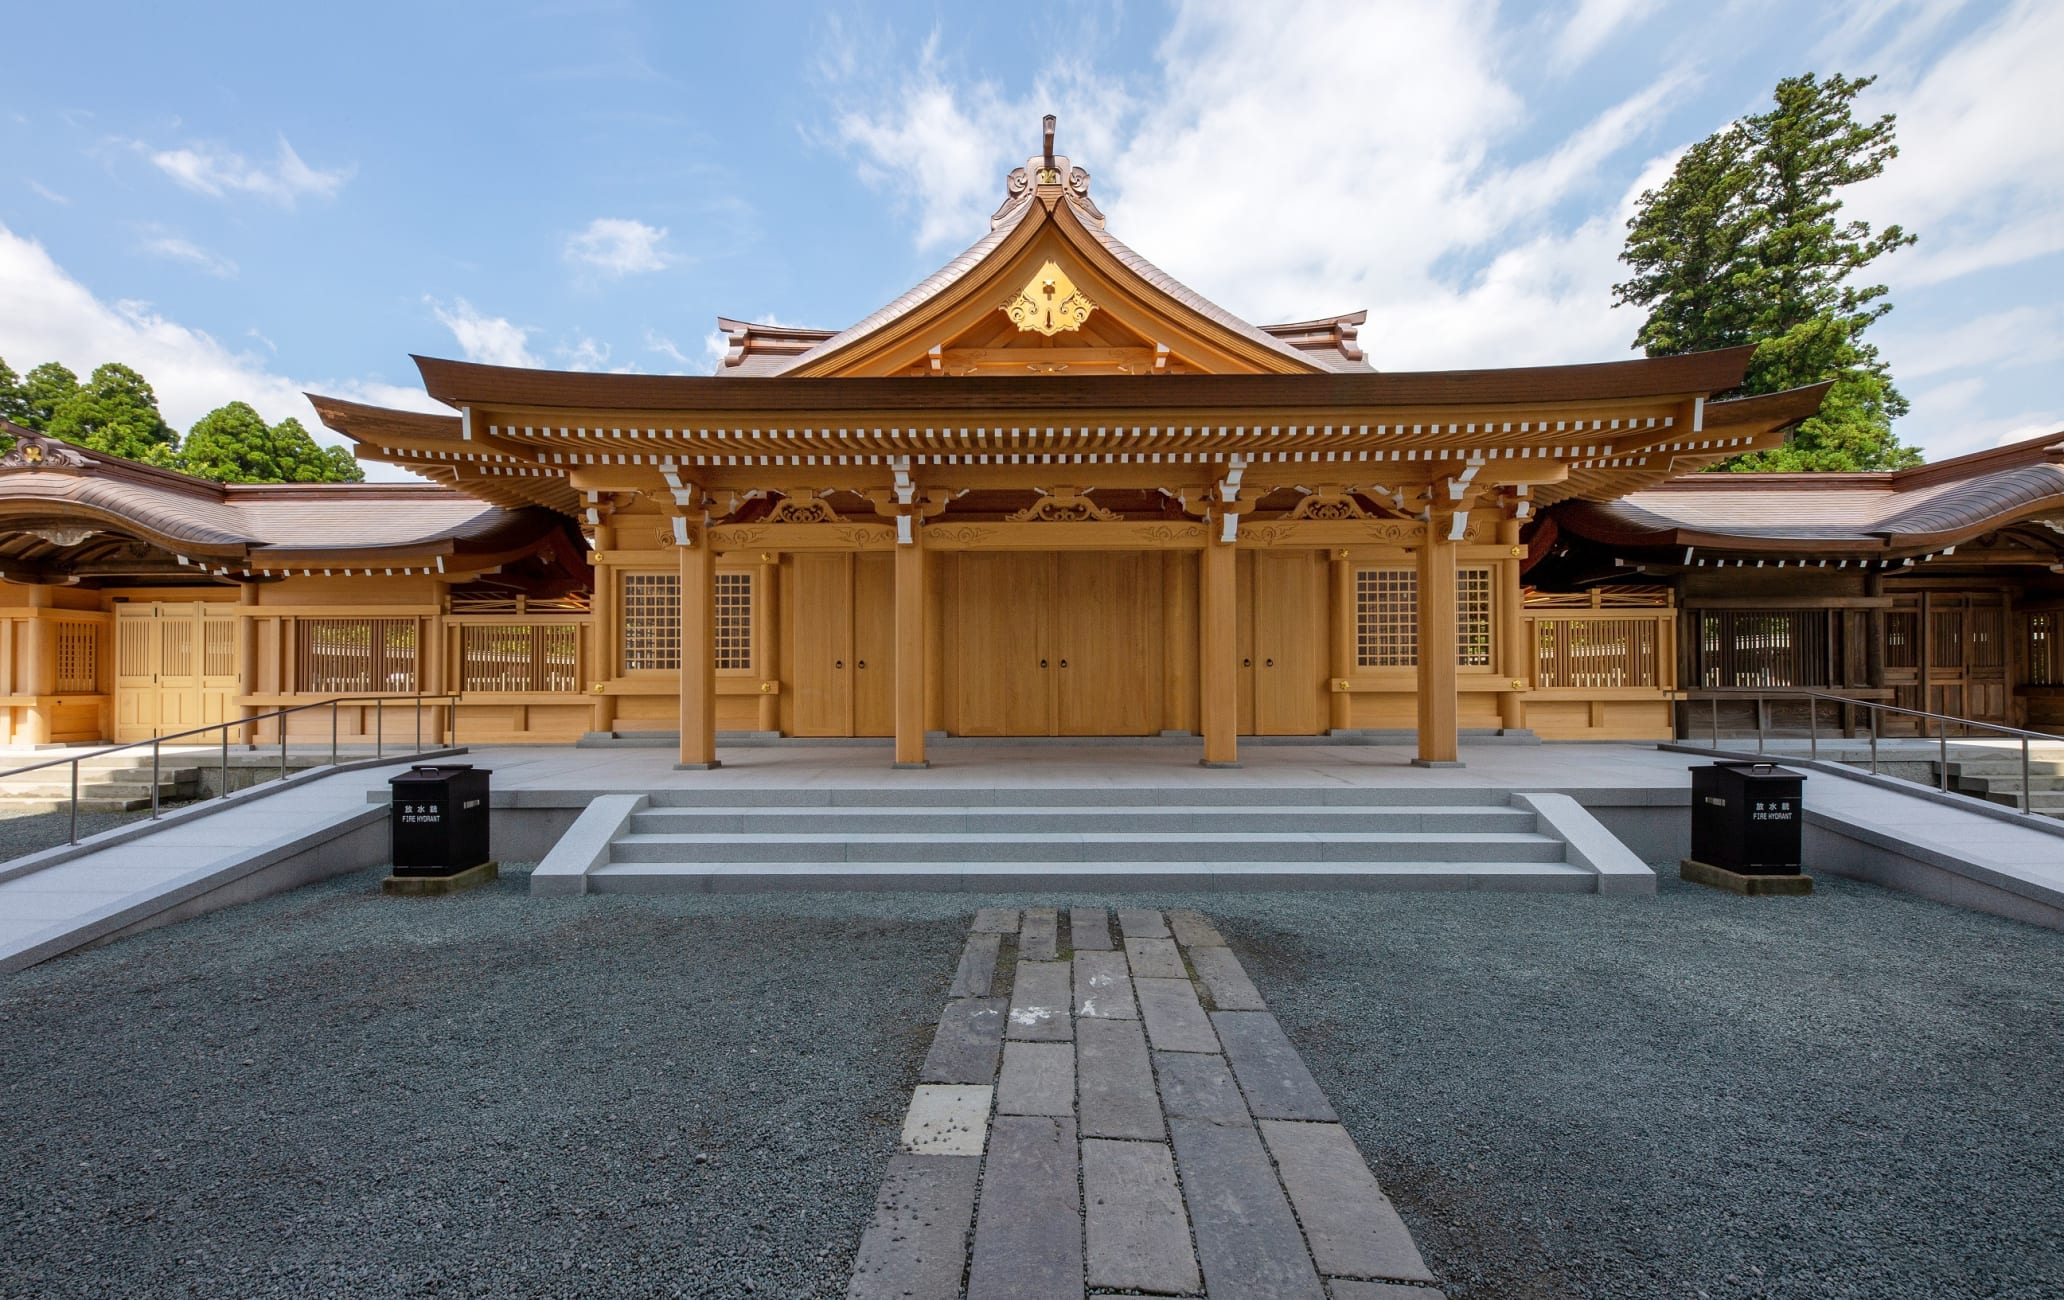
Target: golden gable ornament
point(1050, 303)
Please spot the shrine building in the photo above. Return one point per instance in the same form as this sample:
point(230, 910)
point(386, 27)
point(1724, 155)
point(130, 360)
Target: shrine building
point(1050, 491)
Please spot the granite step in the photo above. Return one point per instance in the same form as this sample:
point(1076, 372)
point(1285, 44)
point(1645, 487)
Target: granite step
point(1088, 876)
point(1094, 818)
point(1273, 848)
point(1223, 798)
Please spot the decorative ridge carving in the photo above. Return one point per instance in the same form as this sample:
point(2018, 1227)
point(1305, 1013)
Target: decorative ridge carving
point(1325, 503)
point(1064, 505)
point(1051, 173)
point(33, 450)
point(1049, 303)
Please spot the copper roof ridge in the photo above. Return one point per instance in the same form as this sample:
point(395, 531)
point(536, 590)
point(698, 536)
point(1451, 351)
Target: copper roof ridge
point(2029, 451)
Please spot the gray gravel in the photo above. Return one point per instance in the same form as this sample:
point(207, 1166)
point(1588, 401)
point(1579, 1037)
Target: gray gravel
point(333, 1093)
point(1692, 1095)
point(22, 833)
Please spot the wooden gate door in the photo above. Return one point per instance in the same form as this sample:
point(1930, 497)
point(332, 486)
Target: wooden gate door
point(1107, 642)
point(820, 662)
point(1967, 661)
point(175, 667)
point(874, 644)
point(1282, 643)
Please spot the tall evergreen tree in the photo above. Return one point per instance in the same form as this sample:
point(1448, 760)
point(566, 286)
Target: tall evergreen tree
point(1744, 244)
point(233, 444)
point(14, 403)
point(44, 389)
point(115, 411)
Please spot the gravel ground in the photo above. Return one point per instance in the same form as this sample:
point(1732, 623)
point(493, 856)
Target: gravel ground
point(22, 832)
point(1687, 1096)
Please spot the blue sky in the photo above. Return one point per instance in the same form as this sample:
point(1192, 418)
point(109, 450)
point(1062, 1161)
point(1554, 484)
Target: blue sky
point(246, 200)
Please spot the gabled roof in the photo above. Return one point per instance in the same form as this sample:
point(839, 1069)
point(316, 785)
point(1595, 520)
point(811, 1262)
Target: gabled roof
point(1047, 210)
point(1930, 506)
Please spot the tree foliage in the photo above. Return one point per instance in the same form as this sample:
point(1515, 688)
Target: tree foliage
point(115, 412)
point(1745, 244)
point(233, 444)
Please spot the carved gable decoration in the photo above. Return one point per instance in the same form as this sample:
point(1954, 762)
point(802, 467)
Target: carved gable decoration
point(803, 507)
point(1050, 303)
point(1064, 505)
point(34, 451)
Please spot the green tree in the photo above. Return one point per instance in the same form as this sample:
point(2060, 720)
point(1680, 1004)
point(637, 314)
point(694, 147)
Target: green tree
point(233, 444)
point(44, 389)
point(1745, 244)
point(115, 412)
point(14, 403)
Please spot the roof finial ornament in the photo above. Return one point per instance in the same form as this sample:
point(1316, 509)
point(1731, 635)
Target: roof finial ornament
point(1047, 169)
point(1047, 129)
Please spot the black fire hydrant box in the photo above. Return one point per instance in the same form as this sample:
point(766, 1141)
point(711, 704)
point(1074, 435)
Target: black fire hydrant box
point(1746, 822)
point(439, 816)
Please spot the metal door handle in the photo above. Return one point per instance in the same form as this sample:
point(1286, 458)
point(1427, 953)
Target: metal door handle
point(861, 664)
point(838, 663)
point(1268, 663)
point(1064, 663)
point(1042, 663)
point(1246, 663)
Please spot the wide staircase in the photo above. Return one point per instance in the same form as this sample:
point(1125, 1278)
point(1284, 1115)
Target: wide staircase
point(115, 783)
point(1096, 839)
point(1997, 778)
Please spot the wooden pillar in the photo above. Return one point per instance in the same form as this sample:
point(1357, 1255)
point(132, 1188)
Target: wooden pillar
point(910, 655)
point(1340, 705)
point(698, 650)
point(1438, 706)
point(247, 661)
point(1515, 651)
point(38, 668)
point(602, 635)
point(766, 638)
point(1218, 648)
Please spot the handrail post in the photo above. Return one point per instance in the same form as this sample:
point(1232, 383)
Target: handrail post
point(1762, 745)
point(1812, 727)
point(283, 744)
point(1714, 702)
point(333, 733)
point(419, 724)
point(2027, 791)
point(223, 793)
point(377, 727)
point(1874, 739)
point(75, 801)
point(1942, 737)
point(156, 745)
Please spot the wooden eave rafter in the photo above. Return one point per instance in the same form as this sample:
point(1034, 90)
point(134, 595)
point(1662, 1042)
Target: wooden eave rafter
point(491, 469)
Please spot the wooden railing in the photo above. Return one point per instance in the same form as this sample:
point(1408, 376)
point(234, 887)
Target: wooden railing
point(1602, 648)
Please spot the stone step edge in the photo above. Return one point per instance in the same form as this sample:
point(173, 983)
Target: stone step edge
point(1113, 877)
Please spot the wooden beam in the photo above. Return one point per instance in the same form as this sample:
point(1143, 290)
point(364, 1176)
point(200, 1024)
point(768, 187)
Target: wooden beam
point(1439, 741)
point(1218, 647)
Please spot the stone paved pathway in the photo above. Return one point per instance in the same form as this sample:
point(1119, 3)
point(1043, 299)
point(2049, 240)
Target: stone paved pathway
point(1107, 1114)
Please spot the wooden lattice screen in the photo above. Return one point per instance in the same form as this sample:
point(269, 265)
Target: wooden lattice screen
point(1758, 648)
point(519, 657)
point(78, 658)
point(335, 656)
point(1590, 653)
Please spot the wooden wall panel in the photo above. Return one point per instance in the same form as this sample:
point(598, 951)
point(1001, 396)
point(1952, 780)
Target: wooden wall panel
point(819, 619)
point(1107, 635)
point(1288, 617)
point(874, 644)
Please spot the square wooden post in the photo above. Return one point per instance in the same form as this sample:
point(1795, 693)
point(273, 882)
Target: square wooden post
point(910, 655)
point(1439, 744)
point(1218, 674)
point(698, 650)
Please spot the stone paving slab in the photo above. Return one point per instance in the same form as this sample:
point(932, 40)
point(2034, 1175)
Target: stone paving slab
point(1346, 1289)
point(1199, 1086)
point(1273, 1076)
point(1039, 1002)
point(1028, 1231)
point(1246, 1235)
point(1037, 1079)
point(976, 975)
point(995, 920)
point(1175, 1019)
point(1089, 928)
point(1192, 930)
point(1115, 1079)
point(1350, 1224)
point(916, 1246)
point(966, 1044)
point(1142, 923)
point(1154, 959)
point(1040, 939)
point(1225, 980)
point(1103, 987)
point(1137, 1236)
point(946, 1120)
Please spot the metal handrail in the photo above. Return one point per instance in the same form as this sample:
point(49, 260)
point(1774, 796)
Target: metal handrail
point(157, 743)
point(1942, 723)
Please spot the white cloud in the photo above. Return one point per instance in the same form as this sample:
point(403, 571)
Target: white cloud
point(159, 242)
point(587, 353)
point(44, 192)
point(2018, 336)
point(1591, 25)
point(489, 340)
point(617, 247)
point(219, 172)
point(53, 317)
point(664, 346)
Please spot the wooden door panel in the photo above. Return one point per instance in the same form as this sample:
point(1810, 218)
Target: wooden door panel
point(1243, 648)
point(136, 668)
point(1024, 610)
point(1107, 642)
point(1289, 644)
point(874, 644)
point(821, 665)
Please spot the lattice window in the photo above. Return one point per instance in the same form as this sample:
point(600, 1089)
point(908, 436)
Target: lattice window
point(734, 621)
point(1386, 618)
point(651, 621)
point(1473, 618)
point(219, 647)
point(1590, 653)
point(341, 656)
point(2046, 648)
point(78, 658)
point(1763, 648)
point(519, 657)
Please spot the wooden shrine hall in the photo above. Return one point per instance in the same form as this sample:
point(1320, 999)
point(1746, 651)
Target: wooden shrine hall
point(1051, 491)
